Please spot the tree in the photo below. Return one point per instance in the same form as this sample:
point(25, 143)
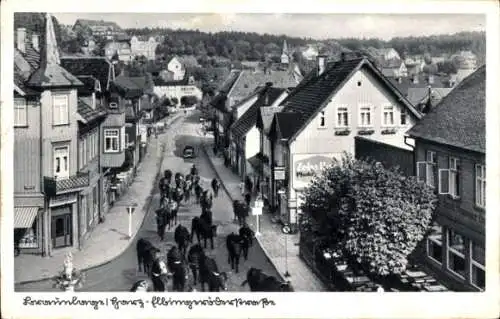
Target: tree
point(370, 216)
point(189, 100)
point(447, 67)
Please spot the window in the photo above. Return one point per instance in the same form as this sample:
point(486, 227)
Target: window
point(322, 122)
point(481, 185)
point(111, 140)
point(20, 113)
point(365, 116)
point(449, 179)
point(388, 115)
point(403, 117)
point(60, 109)
point(342, 116)
point(127, 140)
point(456, 253)
point(477, 265)
point(435, 243)
point(426, 170)
point(30, 237)
point(61, 162)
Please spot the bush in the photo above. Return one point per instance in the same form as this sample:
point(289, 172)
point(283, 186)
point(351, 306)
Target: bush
point(371, 216)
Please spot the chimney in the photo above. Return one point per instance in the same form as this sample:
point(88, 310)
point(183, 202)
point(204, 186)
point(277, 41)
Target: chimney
point(21, 39)
point(35, 42)
point(321, 64)
point(266, 96)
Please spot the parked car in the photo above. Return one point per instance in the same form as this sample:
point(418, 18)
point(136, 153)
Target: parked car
point(188, 152)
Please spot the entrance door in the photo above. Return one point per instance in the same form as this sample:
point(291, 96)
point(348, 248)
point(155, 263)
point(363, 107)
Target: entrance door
point(61, 230)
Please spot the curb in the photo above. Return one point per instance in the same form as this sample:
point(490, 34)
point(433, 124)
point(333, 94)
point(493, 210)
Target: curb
point(146, 207)
point(266, 253)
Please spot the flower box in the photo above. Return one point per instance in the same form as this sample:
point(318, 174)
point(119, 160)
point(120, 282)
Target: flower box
point(388, 131)
point(343, 132)
point(366, 132)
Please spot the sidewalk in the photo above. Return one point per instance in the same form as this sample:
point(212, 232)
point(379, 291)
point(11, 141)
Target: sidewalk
point(109, 239)
point(272, 240)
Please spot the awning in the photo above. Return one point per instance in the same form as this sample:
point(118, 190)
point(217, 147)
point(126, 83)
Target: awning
point(24, 216)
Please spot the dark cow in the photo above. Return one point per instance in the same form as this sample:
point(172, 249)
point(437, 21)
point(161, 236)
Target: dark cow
point(248, 233)
point(258, 281)
point(160, 223)
point(201, 228)
point(206, 201)
point(159, 273)
point(195, 255)
point(140, 286)
point(198, 190)
point(179, 277)
point(145, 255)
point(207, 216)
point(209, 274)
point(173, 258)
point(182, 239)
point(235, 245)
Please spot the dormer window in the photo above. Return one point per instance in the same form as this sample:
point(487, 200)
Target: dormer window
point(113, 105)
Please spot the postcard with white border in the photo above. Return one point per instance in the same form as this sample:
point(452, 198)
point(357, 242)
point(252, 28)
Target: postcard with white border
point(237, 159)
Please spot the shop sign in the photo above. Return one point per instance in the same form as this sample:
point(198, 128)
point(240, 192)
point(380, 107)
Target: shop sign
point(307, 166)
point(279, 173)
point(63, 199)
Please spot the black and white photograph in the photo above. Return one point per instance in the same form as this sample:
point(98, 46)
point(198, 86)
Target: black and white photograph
point(207, 153)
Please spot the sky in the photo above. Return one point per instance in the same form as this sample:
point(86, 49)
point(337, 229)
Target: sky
point(316, 26)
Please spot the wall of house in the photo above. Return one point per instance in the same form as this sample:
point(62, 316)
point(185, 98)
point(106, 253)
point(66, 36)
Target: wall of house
point(178, 91)
point(252, 145)
point(27, 141)
point(315, 144)
point(177, 68)
point(59, 135)
point(113, 120)
point(461, 215)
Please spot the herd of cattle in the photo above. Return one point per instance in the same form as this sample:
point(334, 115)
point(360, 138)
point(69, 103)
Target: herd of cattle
point(182, 261)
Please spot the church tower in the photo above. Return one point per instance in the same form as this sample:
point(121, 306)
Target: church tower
point(285, 56)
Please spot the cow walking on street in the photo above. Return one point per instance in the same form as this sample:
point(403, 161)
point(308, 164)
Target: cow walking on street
point(209, 274)
point(201, 228)
point(258, 281)
point(195, 256)
point(182, 239)
point(236, 245)
point(145, 255)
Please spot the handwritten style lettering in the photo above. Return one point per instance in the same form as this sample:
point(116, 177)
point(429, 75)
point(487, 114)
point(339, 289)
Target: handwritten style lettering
point(309, 169)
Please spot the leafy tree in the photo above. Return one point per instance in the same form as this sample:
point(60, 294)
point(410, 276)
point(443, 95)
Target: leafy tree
point(370, 216)
point(189, 100)
point(447, 67)
point(174, 101)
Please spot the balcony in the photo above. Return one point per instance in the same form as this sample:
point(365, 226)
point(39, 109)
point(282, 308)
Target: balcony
point(55, 186)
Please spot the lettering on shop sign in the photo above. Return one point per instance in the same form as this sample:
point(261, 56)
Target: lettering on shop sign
point(308, 167)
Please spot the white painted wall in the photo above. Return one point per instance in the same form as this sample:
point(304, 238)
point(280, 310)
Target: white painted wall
point(177, 68)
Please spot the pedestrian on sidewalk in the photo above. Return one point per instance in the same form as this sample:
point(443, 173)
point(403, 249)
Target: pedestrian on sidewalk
point(248, 184)
point(248, 199)
point(158, 272)
point(242, 189)
point(215, 187)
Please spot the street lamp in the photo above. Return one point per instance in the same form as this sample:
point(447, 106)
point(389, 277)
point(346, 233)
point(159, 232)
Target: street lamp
point(258, 204)
point(286, 230)
point(130, 211)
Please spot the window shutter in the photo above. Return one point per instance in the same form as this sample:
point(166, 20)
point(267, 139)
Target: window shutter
point(444, 181)
point(122, 138)
point(421, 171)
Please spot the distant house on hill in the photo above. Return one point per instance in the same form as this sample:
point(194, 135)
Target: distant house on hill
point(101, 28)
point(394, 68)
point(120, 47)
point(143, 46)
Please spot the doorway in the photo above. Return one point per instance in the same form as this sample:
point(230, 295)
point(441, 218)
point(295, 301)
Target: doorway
point(62, 229)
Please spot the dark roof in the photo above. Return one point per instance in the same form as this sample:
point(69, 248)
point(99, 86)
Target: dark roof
point(53, 75)
point(159, 81)
point(459, 119)
point(132, 87)
point(266, 97)
point(311, 95)
point(87, 22)
point(130, 115)
point(88, 113)
point(229, 82)
point(285, 125)
point(98, 67)
point(248, 81)
point(265, 117)
point(407, 82)
point(89, 83)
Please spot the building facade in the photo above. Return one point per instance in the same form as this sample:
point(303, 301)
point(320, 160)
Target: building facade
point(177, 68)
point(46, 124)
point(144, 47)
point(450, 157)
point(99, 28)
point(360, 101)
point(122, 48)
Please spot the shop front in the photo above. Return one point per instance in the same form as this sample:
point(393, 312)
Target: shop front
point(28, 229)
point(63, 221)
point(304, 168)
